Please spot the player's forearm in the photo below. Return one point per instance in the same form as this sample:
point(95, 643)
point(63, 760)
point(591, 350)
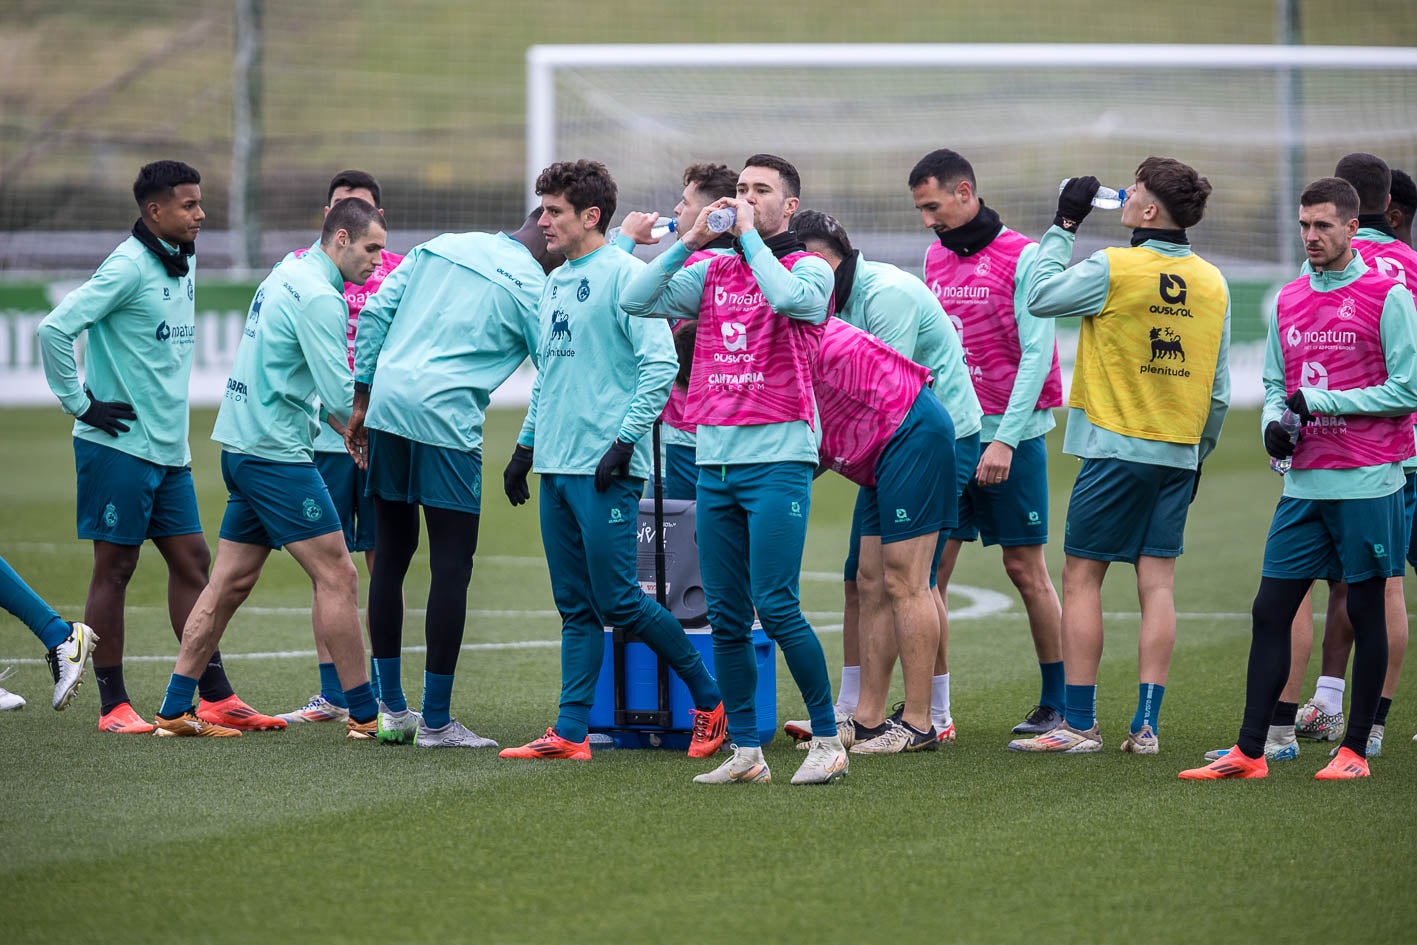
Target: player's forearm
point(61, 369)
point(1056, 291)
point(652, 294)
point(801, 292)
point(652, 386)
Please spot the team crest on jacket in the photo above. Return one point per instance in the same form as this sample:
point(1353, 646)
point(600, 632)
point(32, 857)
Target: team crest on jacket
point(583, 290)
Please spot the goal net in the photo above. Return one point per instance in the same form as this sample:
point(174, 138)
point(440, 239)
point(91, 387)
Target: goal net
point(1258, 121)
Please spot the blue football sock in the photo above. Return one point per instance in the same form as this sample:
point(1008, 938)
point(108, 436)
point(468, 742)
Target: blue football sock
point(362, 706)
point(572, 722)
point(1148, 706)
point(1082, 707)
point(180, 690)
point(330, 686)
point(390, 673)
point(19, 599)
point(1053, 694)
point(437, 699)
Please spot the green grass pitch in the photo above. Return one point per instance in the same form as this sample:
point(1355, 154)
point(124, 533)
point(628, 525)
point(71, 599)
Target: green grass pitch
point(300, 836)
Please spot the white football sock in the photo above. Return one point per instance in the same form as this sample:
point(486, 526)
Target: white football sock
point(1329, 695)
point(850, 690)
point(940, 701)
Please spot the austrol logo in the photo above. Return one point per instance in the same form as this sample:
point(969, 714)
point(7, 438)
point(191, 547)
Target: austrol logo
point(1172, 289)
point(1314, 374)
point(735, 336)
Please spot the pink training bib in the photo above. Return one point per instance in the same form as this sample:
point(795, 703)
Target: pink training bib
point(1332, 341)
point(751, 365)
point(864, 389)
point(977, 293)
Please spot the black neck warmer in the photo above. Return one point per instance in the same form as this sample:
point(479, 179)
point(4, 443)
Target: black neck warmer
point(845, 280)
point(174, 263)
point(1376, 221)
point(973, 236)
point(783, 244)
point(1141, 234)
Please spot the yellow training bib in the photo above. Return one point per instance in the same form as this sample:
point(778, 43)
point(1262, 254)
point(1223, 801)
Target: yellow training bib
point(1146, 362)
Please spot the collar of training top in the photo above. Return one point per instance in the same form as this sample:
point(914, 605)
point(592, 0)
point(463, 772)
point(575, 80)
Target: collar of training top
point(970, 238)
point(174, 263)
point(1141, 234)
point(783, 244)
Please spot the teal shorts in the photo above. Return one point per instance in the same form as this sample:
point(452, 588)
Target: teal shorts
point(355, 508)
point(403, 470)
point(125, 500)
point(1347, 540)
point(1015, 512)
point(274, 503)
point(911, 496)
point(1121, 510)
point(1409, 496)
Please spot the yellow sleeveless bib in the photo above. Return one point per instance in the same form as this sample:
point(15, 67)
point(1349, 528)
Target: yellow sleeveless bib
point(1146, 362)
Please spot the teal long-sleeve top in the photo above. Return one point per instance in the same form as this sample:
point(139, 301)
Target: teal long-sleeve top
point(292, 364)
point(890, 303)
point(446, 329)
point(1057, 291)
point(602, 376)
point(1396, 395)
point(141, 329)
point(667, 289)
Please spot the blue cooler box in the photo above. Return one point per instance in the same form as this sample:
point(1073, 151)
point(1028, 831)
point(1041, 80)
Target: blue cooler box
point(642, 693)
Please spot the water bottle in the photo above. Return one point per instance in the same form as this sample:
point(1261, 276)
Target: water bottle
point(1289, 423)
point(1105, 199)
point(722, 219)
point(662, 226)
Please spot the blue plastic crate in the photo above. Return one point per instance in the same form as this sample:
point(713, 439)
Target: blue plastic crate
point(642, 693)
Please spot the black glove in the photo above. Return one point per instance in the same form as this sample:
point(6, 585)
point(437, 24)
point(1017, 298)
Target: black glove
point(1300, 407)
point(1277, 443)
point(616, 459)
point(514, 476)
point(1075, 202)
point(1196, 485)
point(107, 415)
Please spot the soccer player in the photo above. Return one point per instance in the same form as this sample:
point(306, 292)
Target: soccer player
point(1322, 716)
point(133, 462)
point(444, 331)
point(1403, 207)
point(703, 184)
point(341, 473)
point(602, 379)
point(760, 314)
point(897, 308)
point(67, 645)
point(1150, 391)
point(1341, 351)
point(978, 270)
point(291, 364)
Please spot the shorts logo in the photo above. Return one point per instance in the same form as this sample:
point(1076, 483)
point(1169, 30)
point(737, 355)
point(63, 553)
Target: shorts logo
point(163, 332)
point(583, 290)
point(191, 290)
point(110, 516)
point(1379, 551)
point(311, 510)
point(1172, 289)
point(1033, 518)
point(1166, 344)
point(901, 515)
point(795, 509)
point(477, 488)
point(616, 517)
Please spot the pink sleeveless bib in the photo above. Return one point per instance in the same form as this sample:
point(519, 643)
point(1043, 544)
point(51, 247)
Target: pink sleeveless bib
point(751, 365)
point(1331, 341)
point(977, 293)
point(864, 390)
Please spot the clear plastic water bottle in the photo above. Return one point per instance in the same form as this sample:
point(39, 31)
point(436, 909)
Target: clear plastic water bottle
point(722, 219)
point(662, 226)
point(1105, 199)
point(1289, 423)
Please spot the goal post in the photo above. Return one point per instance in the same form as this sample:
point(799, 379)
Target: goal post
point(855, 117)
